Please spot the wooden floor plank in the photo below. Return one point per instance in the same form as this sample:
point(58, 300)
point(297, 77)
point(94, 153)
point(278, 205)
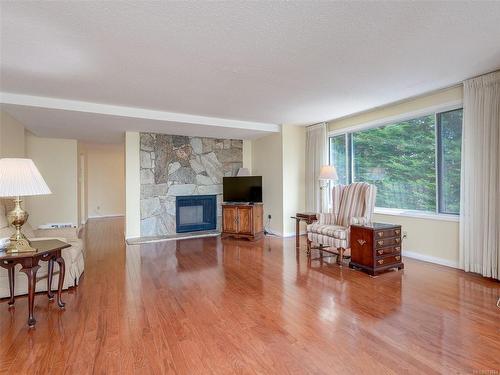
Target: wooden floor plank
point(207, 306)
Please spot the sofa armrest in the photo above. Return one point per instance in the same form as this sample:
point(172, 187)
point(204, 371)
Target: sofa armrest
point(359, 220)
point(68, 233)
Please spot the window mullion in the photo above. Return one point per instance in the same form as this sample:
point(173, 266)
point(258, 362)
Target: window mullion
point(437, 160)
point(350, 166)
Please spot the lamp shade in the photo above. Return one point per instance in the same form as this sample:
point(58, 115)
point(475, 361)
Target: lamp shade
point(20, 177)
point(328, 172)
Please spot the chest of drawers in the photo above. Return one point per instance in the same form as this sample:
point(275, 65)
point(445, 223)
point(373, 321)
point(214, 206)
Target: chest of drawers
point(376, 247)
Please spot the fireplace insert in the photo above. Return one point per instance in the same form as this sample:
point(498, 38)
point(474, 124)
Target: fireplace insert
point(195, 212)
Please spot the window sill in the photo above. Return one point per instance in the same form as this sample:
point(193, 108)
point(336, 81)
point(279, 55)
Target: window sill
point(416, 214)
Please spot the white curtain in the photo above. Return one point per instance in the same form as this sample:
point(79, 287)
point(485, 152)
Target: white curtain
point(316, 156)
point(480, 181)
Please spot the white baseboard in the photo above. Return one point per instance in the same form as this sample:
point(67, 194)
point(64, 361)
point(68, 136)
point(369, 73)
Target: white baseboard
point(103, 216)
point(430, 259)
point(292, 234)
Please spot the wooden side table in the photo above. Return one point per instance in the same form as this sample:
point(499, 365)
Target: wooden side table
point(376, 247)
point(308, 217)
point(46, 251)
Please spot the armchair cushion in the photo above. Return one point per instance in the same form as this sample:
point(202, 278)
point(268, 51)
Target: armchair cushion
point(334, 231)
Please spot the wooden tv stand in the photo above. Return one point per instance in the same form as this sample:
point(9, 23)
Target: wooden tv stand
point(242, 220)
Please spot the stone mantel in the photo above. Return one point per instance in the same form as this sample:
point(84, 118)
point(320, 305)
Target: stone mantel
point(173, 165)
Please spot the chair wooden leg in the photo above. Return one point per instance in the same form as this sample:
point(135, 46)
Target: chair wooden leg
point(308, 252)
point(340, 257)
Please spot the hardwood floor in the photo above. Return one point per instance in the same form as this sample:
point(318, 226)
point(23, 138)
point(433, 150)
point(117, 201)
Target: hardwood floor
point(206, 306)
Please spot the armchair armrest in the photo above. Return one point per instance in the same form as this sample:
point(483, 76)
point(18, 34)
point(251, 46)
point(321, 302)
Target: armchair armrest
point(68, 233)
point(361, 220)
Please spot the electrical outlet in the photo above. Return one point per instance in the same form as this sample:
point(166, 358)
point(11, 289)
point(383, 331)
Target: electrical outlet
point(405, 234)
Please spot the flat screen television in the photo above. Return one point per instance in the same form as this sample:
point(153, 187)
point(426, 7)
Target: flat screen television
point(242, 189)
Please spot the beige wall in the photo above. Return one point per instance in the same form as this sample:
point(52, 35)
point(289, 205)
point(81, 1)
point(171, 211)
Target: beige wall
point(267, 162)
point(104, 179)
point(132, 185)
point(441, 97)
point(57, 161)
point(82, 182)
point(294, 146)
point(12, 143)
point(280, 159)
point(428, 239)
point(247, 154)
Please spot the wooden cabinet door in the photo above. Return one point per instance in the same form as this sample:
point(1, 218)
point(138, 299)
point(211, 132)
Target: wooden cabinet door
point(245, 220)
point(257, 218)
point(230, 219)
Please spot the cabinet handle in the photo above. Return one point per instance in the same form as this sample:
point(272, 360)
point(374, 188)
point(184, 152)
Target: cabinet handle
point(397, 231)
point(361, 242)
point(380, 252)
point(380, 234)
point(380, 243)
point(398, 240)
point(397, 248)
point(398, 257)
point(380, 261)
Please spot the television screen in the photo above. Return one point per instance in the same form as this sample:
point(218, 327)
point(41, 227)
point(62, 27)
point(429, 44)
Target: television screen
point(242, 189)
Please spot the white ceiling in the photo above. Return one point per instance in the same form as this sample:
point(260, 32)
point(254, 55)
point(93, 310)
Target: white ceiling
point(266, 62)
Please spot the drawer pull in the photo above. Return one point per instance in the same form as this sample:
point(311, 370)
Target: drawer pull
point(380, 252)
point(380, 243)
point(361, 242)
point(397, 257)
point(397, 248)
point(398, 240)
point(380, 261)
point(397, 231)
point(380, 234)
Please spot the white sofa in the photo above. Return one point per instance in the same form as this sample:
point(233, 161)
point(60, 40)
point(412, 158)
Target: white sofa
point(73, 257)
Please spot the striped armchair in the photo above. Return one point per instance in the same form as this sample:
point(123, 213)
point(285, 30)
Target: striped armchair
point(352, 204)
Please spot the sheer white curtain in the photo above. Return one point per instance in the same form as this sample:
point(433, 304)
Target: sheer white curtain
point(316, 156)
point(480, 184)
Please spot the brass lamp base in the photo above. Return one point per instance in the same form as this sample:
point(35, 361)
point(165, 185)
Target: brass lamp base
point(18, 242)
point(19, 246)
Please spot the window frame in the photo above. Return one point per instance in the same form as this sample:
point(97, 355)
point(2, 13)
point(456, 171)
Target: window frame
point(428, 111)
point(439, 162)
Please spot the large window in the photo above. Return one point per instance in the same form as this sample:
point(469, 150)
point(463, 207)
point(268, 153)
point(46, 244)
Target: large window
point(415, 163)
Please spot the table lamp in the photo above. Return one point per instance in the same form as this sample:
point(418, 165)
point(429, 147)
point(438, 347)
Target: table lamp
point(20, 177)
point(326, 173)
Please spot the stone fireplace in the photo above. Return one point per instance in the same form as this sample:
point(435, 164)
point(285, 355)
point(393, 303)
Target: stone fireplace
point(179, 166)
